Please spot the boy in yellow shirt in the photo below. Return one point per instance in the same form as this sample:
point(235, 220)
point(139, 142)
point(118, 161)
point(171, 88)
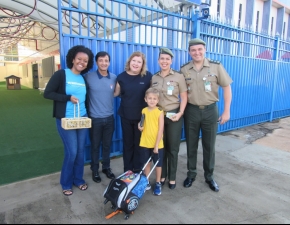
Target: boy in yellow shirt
point(151, 140)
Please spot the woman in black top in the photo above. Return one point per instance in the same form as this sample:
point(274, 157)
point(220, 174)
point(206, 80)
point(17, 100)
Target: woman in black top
point(132, 85)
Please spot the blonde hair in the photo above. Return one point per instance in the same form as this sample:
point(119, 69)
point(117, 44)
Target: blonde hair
point(152, 91)
point(143, 68)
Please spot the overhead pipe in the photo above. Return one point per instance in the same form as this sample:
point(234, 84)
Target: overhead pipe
point(36, 45)
point(39, 39)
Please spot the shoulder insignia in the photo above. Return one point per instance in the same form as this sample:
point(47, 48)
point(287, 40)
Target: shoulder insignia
point(185, 64)
point(214, 61)
point(155, 73)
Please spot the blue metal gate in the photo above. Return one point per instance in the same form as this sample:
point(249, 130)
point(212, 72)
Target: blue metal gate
point(259, 66)
point(120, 28)
point(258, 63)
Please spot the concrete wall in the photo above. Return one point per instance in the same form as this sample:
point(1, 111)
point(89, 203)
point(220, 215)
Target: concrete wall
point(9, 69)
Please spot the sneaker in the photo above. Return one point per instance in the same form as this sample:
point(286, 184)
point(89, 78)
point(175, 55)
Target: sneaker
point(157, 190)
point(148, 187)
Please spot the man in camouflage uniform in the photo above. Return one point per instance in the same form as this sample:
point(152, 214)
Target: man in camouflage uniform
point(203, 77)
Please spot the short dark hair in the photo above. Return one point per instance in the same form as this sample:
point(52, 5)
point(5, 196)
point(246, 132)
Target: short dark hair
point(74, 51)
point(102, 54)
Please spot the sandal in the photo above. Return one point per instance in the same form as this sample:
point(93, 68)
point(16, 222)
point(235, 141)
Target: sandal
point(67, 192)
point(83, 187)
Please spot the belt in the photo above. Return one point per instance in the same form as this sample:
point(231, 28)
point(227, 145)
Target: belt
point(171, 111)
point(202, 106)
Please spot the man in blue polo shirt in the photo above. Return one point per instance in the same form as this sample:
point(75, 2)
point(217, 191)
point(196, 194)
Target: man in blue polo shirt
point(100, 102)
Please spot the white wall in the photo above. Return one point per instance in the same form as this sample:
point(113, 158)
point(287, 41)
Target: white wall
point(3, 73)
point(236, 12)
point(9, 69)
point(213, 9)
point(259, 4)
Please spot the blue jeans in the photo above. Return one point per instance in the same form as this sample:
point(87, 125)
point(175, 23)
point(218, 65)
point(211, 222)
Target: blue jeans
point(101, 133)
point(73, 163)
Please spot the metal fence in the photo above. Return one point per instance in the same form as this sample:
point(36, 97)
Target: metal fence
point(258, 64)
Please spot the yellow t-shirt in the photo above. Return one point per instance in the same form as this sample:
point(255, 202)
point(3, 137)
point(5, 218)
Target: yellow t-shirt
point(150, 131)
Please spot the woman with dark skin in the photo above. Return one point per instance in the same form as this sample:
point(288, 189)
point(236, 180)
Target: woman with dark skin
point(67, 88)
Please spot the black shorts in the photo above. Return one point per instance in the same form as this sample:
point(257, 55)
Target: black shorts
point(148, 152)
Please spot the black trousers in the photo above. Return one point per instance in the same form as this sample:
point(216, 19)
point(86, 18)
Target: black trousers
point(201, 121)
point(171, 139)
point(131, 141)
point(101, 135)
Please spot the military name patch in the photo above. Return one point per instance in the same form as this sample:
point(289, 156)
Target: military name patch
point(214, 61)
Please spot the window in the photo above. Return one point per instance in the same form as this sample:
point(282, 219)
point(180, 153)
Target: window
point(283, 32)
point(12, 51)
point(240, 15)
point(257, 21)
point(272, 22)
point(218, 8)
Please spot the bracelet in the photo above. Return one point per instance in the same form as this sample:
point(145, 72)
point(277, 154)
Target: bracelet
point(181, 112)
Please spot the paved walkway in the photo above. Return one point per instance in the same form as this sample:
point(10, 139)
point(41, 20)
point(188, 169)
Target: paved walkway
point(252, 170)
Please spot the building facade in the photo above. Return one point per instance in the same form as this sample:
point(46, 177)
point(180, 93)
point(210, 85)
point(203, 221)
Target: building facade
point(269, 17)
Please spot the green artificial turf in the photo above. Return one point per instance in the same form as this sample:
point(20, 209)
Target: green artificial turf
point(29, 143)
